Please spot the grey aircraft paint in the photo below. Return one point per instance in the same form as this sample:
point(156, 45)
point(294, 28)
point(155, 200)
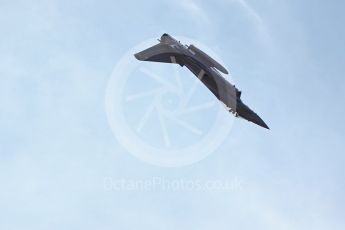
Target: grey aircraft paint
point(169, 50)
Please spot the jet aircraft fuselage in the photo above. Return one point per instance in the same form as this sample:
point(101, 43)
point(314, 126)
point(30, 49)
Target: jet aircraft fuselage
point(169, 50)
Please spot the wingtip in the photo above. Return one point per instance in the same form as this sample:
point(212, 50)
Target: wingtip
point(138, 57)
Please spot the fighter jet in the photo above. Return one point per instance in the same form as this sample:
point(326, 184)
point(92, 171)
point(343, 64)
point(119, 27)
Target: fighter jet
point(169, 50)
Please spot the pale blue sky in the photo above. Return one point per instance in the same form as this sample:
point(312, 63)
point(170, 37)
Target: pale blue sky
point(57, 146)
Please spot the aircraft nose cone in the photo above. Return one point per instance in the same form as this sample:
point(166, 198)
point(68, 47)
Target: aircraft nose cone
point(257, 120)
point(246, 113)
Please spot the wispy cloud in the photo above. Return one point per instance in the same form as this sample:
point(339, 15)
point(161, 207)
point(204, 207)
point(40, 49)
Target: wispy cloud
point(251, 11)
point(259, 22)
point(195, 10)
